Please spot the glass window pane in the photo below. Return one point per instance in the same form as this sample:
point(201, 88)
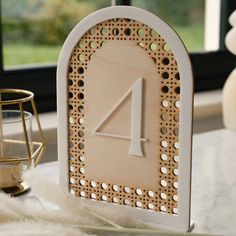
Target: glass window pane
point(34, 30)
point(185, 16)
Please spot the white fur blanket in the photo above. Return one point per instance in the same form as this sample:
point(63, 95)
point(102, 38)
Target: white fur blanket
point(68, 216)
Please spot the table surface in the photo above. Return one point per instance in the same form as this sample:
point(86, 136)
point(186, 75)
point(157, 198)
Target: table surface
point(213, 182)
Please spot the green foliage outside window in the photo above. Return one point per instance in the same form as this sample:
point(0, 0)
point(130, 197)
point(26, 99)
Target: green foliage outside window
point(45, 21)
point(34, 30)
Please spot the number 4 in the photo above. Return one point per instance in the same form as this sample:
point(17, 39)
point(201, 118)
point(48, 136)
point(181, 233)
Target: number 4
point(136, 119)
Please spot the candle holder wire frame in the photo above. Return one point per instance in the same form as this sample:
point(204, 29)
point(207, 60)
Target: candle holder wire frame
point(38, 147)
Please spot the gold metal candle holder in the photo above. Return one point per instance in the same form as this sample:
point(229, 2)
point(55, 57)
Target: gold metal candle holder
point(17, 150)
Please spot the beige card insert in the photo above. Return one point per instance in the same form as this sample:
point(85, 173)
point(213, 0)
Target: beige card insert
point(112, 71)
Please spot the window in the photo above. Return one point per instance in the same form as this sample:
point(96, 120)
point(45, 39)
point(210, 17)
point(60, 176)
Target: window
point(34, 30)
point(188, 21)
point(28, 57)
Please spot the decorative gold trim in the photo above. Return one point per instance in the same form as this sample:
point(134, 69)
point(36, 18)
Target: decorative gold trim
point(42, 149)
point(17, 190)
point(38, 153)
point(29, 94)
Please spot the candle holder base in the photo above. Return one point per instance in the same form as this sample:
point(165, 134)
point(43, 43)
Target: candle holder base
point(17, 190)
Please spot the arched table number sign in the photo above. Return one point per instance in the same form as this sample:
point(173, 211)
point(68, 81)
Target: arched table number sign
point(125, 93)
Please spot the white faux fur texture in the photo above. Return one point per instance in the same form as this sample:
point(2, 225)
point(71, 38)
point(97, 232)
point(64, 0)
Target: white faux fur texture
point(35, 228)
point(65, 215)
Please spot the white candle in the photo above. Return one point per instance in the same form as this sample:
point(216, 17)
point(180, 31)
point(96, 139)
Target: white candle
point(10, 175)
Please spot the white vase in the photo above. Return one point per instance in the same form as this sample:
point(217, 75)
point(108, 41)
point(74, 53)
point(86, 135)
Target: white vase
point(229, 102)
point(229, 90)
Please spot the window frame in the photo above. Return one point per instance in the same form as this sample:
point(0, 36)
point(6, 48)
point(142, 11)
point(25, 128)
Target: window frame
point(210, 69)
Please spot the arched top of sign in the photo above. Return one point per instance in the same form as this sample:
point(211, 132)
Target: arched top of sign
point(134, 13)
point(182, 219)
